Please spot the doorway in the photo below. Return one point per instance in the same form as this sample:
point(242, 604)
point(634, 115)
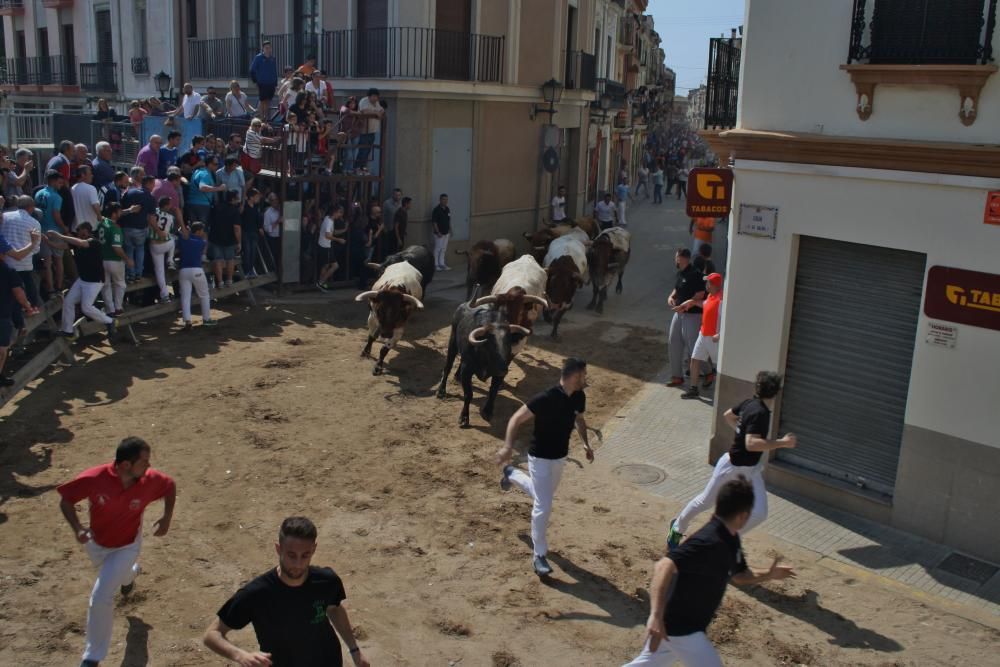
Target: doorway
point(452, 39)
point(371, 39)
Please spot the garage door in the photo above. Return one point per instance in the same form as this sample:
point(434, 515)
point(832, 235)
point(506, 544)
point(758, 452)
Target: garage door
point(850, 351)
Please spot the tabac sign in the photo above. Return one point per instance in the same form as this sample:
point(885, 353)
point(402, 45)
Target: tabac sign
point(966, 297)
point(709, 193)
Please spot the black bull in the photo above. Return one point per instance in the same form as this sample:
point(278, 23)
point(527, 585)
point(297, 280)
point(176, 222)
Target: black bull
point(485, 341)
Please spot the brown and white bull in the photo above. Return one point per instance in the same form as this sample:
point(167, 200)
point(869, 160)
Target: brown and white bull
point(393, 298)
point(519, 294)
point(485, 260)
point(607, 257)
point(567, 271)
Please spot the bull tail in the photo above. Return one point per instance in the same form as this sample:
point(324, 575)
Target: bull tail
point(475, 294)
point(461, 252)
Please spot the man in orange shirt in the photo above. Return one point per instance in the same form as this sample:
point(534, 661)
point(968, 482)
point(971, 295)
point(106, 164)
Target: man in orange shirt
point(701, 229)
point(707, 346)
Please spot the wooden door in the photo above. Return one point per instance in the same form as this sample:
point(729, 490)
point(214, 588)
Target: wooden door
point(453, 46)
point(371, 39)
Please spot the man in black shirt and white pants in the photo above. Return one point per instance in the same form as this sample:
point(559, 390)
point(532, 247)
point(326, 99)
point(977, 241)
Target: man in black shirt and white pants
point(556, 412)
point(751, 420)
point(685, 300)
point(291, 608)
point(89, 282)
point(689, 584)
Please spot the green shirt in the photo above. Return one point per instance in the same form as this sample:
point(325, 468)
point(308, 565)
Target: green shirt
point(110, 236)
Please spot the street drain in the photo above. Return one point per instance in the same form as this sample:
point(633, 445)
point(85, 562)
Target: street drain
point(641, 474)
point(968, 568)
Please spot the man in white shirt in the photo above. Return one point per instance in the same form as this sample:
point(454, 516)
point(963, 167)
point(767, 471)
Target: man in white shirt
point(85, 201)
point(318, 86)
point(606, 211)
point(369, 105)
point(559, 206)
point(272, 228)
point(190, 104)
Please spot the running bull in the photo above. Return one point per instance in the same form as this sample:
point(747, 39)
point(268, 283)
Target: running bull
point(607, 259)
point(486, 260)
point(393, 298)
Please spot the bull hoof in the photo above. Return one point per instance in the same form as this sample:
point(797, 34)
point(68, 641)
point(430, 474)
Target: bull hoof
point(377, 370)
point(547, 315)
point(590, 306)
point(366, 354)
point(487, 416)
point(441, 394)
point(463, 421)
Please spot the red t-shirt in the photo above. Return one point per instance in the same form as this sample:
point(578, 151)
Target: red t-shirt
point(710, 314)
point(115, 512)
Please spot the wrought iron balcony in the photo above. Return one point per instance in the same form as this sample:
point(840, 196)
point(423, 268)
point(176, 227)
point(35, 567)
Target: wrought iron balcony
point(40, 71)
point(99, 77)
point(11, 7)
point(615, 90)
point(581, 71)
point(140, 65)
point(722, 94)
point(902, 32)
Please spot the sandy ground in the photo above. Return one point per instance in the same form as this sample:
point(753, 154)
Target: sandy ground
point(273, 414)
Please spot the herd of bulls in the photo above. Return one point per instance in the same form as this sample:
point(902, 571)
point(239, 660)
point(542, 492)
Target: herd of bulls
point(488, 331)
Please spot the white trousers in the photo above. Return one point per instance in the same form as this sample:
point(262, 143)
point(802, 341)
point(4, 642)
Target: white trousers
point(440, 248)
point(115, 568)
point(85, 294)
point(540, 483)
point(114, 285)
point(194, 278)
point(621, 213)
point(726, 472)
point(161, 252)
point(690, 650)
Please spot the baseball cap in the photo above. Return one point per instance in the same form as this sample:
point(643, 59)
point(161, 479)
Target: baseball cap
point(714, 278)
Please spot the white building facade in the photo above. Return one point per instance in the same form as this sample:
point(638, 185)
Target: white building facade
point(869, 276)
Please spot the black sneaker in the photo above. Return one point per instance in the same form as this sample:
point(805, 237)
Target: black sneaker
point(505, 480)
point(542, 567)
point(66, 334)
point(9, 382)
point(127, 589)
point(692, 392)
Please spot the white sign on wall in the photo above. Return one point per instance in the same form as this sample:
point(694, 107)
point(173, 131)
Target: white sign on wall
point(758, 221)
point(942, 335)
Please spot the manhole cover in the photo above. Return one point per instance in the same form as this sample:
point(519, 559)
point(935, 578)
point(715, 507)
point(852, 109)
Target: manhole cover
point(639, 473)
point(968, 568)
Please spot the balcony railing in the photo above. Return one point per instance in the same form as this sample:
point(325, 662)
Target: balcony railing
point(902, 32)
point(140, 65)
point(612, 88)
point(40, 71)
point(99, 77)
point(581, 71)
point(381, 53)
point(722, 94)
point(11, 7)
point(626, 32)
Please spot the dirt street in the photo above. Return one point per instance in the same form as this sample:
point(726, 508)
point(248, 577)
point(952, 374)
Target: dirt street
point(272, 413)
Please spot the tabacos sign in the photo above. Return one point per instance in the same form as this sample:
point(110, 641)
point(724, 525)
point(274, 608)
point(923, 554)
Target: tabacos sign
point(966, 297)
point(709, 193)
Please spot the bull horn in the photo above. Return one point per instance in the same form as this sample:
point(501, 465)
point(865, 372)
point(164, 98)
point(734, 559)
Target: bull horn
point(539, 247)
point(461, 252)
point(613, 265)
point(373, 266)
point(413, 301)
point(366, 295)
point(515, 328)
point(530, 298)
point(484, 300)
point(473, 340)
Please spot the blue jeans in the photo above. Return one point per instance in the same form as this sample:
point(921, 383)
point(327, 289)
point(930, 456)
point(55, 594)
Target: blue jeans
point(364, 150)
point(657, 194)
point(135, 249)
point(350, 154)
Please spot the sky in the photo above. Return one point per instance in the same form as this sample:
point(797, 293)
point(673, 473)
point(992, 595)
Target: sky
point(685, 26)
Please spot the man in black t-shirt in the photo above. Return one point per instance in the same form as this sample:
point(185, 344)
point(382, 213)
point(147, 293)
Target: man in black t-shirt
point(751, 420)
point(689, 584)
point(89, 282)
point(556, 412)
point(441, 226)
point(685, 300)
point(291, 608)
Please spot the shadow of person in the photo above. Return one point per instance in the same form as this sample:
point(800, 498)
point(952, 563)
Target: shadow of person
point(136, 643)
point(621, 609)
point(843, 631)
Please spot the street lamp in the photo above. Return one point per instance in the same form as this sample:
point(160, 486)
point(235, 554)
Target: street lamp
point(552, 91)
point(604, 103)
point(162, 84)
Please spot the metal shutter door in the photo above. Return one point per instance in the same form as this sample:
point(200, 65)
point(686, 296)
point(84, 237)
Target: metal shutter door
point(850, 352)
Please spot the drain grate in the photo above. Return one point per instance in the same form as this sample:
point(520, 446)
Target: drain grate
point(968, 568)
point(640, 473)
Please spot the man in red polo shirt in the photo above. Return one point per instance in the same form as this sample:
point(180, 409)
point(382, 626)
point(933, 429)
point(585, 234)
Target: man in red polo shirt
point(117, 494)
point(706, 348)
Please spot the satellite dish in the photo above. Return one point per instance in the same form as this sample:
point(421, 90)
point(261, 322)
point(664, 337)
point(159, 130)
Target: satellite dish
point(550, 160)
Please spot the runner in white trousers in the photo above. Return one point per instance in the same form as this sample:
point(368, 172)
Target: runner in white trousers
point(751, 420)
point(192, 244)
point(112, 240)
point(556, 412)
point(161, 244)
point(689, 584)
point(86, 288)
point(117, 494)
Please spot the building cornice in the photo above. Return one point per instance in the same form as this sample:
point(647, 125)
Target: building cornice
point(407, 88)
point(933, 157)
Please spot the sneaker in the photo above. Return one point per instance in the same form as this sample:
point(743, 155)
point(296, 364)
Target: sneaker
point(505, 480)
point(6, 381)
point(228, 283)
point(675, 382)
point(709, 380)
point(187, 326)
point(164, 298)
point(66, 334)
point(674, 537)
point(692, 392)
point(542, 567)
point(445, 267)
point(127, 589)
point(118, 313)
point(321, 287)
point(209, 323)
point(251, 274)
point(112, 328)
